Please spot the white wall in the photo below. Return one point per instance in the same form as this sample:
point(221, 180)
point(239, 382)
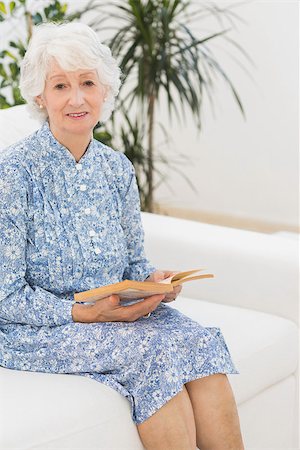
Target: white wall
point(248, 168)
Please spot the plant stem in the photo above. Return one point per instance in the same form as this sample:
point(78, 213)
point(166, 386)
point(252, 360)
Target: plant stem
point(29, 23)
point(149, 202)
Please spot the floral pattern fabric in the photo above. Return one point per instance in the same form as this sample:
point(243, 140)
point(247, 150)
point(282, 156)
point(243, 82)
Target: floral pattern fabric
point(69, 226)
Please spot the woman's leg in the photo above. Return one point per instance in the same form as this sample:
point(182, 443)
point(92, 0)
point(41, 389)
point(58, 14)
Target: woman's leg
point(215, 412)
point(172, 427)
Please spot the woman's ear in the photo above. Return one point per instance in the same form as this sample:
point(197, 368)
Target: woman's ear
point(105, 94)
point(39, 101)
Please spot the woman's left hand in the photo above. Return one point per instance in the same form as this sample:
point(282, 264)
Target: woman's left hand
point(159, 275)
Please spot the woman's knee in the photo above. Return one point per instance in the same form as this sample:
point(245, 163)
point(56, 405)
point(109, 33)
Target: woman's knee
point(172, 426)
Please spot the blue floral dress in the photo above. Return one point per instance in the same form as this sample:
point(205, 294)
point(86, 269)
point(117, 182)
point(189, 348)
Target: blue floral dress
point(68, 227)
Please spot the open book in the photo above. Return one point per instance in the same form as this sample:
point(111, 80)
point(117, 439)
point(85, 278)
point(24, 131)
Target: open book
point(131, 290)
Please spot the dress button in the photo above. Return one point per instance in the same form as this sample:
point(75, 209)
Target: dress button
point(92, 233)
point(78, 166)
point(82, 187)
point(97, 250)
point(87, 210)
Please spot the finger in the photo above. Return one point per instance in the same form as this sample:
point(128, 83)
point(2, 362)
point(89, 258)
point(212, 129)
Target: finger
point(114, 300)
point(158, 276)
point(169, 299)
point(177, 289)
point(168, 273)
point(133, 312)
point(162, 274)
point(175, 292)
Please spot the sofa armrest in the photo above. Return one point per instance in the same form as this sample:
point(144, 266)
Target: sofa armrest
point(252, 270)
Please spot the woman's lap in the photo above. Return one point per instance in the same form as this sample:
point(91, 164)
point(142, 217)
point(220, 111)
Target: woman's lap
point(148, 361)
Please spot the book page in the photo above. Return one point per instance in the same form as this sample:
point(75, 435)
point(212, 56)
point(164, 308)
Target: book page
point(181, 275)
point(130, 294)
point(168, 280)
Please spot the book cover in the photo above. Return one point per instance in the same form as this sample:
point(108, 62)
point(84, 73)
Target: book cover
point(131, 289)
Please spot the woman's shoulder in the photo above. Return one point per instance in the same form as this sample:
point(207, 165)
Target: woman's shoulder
point(116, 159)
point(15, 159)
point(18, 152)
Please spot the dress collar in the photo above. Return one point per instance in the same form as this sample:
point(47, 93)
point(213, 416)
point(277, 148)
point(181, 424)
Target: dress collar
point(56, 149)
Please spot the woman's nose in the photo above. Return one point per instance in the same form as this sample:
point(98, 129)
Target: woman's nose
point(76, 97)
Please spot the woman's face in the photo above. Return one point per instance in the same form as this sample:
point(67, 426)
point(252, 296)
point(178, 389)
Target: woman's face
point(73, 100)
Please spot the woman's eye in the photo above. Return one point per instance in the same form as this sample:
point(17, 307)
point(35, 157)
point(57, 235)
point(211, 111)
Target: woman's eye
point(59, 86)
point(89, 83)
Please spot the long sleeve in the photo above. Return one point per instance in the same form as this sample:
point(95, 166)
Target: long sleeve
point(139, 266)
point(19, 301)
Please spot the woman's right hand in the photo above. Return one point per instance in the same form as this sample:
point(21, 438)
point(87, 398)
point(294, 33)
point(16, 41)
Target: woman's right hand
point(110, 309)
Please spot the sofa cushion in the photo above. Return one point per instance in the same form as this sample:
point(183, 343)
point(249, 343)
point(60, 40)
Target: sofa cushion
point(46, 408)
point(40, 410)
point(254, 270)
point(15, 124)
point(264, 347)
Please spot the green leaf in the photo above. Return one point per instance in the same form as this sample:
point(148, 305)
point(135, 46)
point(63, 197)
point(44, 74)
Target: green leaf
point(12, 6)
point(18, 100)
point(3, 8)
point(3, 72)
point(13, 44)
point(14, 69)
point(4, 103)
point(11, 55)
point(37, 18)
point(64, 8)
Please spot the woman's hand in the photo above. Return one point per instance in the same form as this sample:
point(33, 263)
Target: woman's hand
point(110, 309)
point(159, 275)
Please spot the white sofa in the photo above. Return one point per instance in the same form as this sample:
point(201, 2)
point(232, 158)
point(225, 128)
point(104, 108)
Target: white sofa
point(253, 299)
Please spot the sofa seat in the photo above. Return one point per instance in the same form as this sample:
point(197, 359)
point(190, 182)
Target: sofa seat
point(263, 346)
point(56, 410)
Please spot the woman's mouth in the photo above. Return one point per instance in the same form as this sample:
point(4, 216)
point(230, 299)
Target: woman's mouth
point(77, 115)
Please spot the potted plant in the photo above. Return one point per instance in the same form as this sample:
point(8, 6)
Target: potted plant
point(161, 56)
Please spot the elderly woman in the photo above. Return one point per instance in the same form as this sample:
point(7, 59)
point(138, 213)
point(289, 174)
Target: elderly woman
point(70, 221)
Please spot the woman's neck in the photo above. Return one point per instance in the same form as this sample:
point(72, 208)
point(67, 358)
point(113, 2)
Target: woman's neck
point(77, 144)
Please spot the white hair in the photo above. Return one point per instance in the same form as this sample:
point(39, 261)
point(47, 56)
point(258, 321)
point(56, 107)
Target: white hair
point(74, 46)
